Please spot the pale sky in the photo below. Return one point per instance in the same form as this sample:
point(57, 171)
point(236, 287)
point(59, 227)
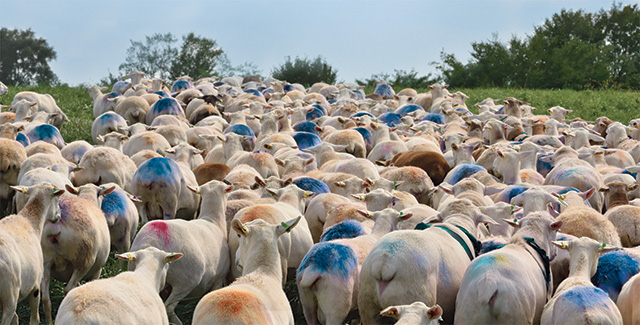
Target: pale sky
point(358, 38)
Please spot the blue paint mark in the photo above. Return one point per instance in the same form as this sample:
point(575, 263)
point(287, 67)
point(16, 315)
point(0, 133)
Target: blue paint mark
point(311, 185)
point(112, 94)
point(483, 263)
point(156, 168)
point(614, 270)
point(362, 114)
point(543, 167)
point(254, 92)
point(166, 106)
point(240, 129)
point(463, 171)
point(328, 257)
point(367, 136)
point(306, 140)
point(512, 191)
point(120, 86)
point(490, 245)
point(409, 108)
point(111, 117)
point(391, 119)
point(584, 297)
point(384, 90)
point(114, 203)
point(345, 229)
point(316, 112)
point(359, 94)
point(268, 90)
point(218, 83)
point(332, 101)
point(180, 85)
point(629, 173)
point(288, 87)
point(434, 117)
point(45, 132)
point(162, 94)
point(23, 139)
point(306, 126)
point(392, 246)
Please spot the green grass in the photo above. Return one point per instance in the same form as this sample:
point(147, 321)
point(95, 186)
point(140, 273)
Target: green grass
point(76, 103)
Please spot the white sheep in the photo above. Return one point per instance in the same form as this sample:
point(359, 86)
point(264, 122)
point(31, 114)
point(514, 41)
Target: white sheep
point(106, 123)
point(74, 151)
point(46, 103)
point(57, 175)
point(3, 89)
point(577, 300)
point(388, 274)
point(257, 296)
point(77, 246)
point(104, 165)
point(133, 109)
point(628, 301)
point(20, 250)
point(12, 156)
point(122, 217)
point(510, 285)
point(203, 242)
point(146, 140)
point(415, 314)
point(134, 294)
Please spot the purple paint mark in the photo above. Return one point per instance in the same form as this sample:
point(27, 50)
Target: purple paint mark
point(162, 230)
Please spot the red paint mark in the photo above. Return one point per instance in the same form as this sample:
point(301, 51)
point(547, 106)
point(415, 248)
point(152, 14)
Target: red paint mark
point(162, 230)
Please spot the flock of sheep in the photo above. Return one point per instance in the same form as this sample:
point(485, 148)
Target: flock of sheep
point(383, 207)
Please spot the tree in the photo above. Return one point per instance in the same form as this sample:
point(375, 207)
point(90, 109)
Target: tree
point(153, 57)
point(24, 58)
point(198, 57)
point(400, 79)
point(305, 71)
point(621, 28)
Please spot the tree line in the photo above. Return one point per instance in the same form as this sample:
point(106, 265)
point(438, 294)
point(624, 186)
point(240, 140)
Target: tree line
point(572, 49)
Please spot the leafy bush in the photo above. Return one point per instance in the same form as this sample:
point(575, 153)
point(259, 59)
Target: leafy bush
point(305, 71)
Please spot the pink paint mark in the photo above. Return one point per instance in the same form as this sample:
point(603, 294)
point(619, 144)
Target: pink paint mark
point(162, 231)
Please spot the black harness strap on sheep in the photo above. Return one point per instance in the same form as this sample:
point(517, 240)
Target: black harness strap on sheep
point(545, 259)
point(477, 246)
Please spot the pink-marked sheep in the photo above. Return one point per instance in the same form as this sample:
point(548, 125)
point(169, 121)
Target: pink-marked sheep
point(77, 246)
point(328, 277)
point(12, 156)
point(581, 220)
point(104, 165)
point(293, 246)
point(20, 250)
point(134, 294)
point(628, 301)
point(203, 267)
point(625, 217)
point(257, 296)
point(577, 300)
point(415, 314)
point(510, 285)
point(388, 274)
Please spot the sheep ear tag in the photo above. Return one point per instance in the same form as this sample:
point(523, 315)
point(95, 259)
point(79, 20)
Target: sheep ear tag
point(172, 257)
point(286, 226)
point(127, 257)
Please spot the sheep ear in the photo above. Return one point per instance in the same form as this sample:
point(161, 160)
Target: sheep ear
point(632, 187)
point(287, 182)
point(403, 216)
point(390, 312)
point(513, 222)
point(359, 197)
point(586, 195)
point(127, 256)
point(553, 212)
point(341, 184)
point(446, 189)
point(170, 150)
point(287, 226)
point(260, 181)
point(364, 213)
point(239, 227)
point(71, 189)
point(308, 194)
point(309, 161)
point(21, 189)
point(604, 248)
point(172, 257)
point(194, 189)
point(603, 189)
point(434, 312)
point(228, 189)
point(561, 244)
point(104, 190)
point(272, 192)
point(556, 225)
point(279, 162)
point(483, 218)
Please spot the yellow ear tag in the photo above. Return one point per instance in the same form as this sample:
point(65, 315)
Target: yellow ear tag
point(24, 190)
point(245, 230)
point(373, 183)
point(286, 226)
point(130, 257)
point(564, 245)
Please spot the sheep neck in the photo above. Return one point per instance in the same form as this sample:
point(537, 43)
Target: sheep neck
point(213, 209)
point(264, 259)
point(34, 210)
point(231, 148)
point(383, 226)
point(580, 266)
point(285, 125)
point(291, 198)
point(269, 126)
point(91, 196)
point(150, 272)
point(381, 134)
point(511, 176)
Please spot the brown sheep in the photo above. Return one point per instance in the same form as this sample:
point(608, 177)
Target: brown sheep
point(431, 162)
point(210, 171)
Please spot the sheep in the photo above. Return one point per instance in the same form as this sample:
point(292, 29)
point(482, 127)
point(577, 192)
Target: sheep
point(327, 278)
point(257, 296)
point(133, 109)
point(352, 139)
point(206, 265)
point(77, 246)
point(580, 220)
point(20, 250)
point(411, 179)
point(558, 113)
point(46, 103)
point(262, 162)
point(10, 131)
point(57, 175)
point(385, 147)
point(510, 285)
point(12, 157)
point(3, 89)
point(40, 160)
point(389, 271)
point(623, 216)
point(359, 167)
point(102, 103)
point(121, 215)
point(210, 171)
point(160, 184)
point(628, 301)
point(433, 163)
point(105, 123)
point(415, 314)
point(164, 106)
point(577, 300)
point(134, 294)
point(104, 165)
point(74, 151)
point(318, 207)
point(146, 140)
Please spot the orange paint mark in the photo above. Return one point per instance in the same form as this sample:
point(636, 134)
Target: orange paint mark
point(263, 212)
point(229, 305)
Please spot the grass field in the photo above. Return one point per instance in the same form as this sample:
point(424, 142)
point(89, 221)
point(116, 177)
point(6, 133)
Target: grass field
point(76, 103)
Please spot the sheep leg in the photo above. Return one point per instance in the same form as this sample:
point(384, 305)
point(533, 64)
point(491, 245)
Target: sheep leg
point(177, 294)
point(9, 305)
point(34, 304)
point(44, 291)
point(143, 214)
point(76, 276)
